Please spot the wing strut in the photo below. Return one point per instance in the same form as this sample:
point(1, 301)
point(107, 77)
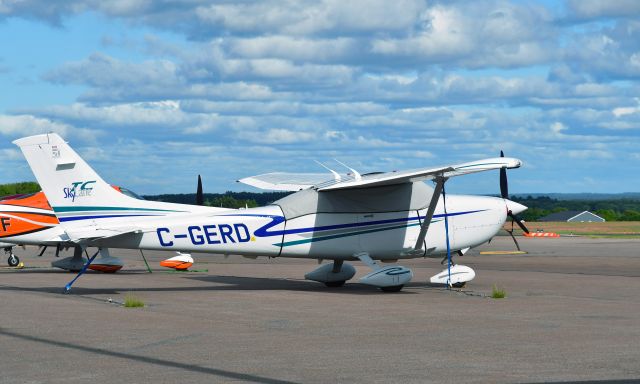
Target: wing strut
point(430, 211)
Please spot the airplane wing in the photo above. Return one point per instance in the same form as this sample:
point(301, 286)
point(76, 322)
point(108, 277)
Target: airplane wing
point(327, 182)
point(400, 177)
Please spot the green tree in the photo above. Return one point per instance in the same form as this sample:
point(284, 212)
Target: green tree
point(607, 214)
point(227, 201)
point(630, 215)
point(19, 188)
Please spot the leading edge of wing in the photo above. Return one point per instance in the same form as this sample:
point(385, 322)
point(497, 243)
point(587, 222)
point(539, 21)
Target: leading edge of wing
point(399, 177)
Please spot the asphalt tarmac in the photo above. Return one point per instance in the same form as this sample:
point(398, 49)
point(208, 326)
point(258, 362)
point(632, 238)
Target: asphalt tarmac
point(572, 313)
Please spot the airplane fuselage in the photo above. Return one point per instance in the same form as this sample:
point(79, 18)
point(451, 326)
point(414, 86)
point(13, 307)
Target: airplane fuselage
point(265, 231)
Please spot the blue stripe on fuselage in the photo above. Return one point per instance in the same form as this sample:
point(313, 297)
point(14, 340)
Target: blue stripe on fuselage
point(275, 220)
point(74, 218)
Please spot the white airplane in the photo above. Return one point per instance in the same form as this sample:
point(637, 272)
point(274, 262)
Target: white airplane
point(338, 217)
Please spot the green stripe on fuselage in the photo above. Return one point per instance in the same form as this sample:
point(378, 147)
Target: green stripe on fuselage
point(89, 209)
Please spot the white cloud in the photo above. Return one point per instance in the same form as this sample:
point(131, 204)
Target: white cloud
point(244, 87)
point(277, 136)
point(26, 125)
point(623, 111)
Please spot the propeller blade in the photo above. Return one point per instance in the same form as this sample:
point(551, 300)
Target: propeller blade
point(199, 195)
point(519, 222)
point(504, 185)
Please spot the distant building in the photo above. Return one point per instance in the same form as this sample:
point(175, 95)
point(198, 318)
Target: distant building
point(574, 217)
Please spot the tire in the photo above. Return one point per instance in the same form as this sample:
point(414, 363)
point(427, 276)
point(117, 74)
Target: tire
point(459, 285)
point(393, 288)
point(335, 284)
point(13, 260)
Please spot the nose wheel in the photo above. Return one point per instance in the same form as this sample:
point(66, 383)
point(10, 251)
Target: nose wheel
point(13, 260)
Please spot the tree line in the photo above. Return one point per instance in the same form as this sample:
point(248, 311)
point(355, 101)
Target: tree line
point(228, 199)
point(19, 188)
point(608, 209)
point(611, 209)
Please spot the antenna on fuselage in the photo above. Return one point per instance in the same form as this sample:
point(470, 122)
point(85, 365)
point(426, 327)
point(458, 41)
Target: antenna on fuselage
point(356, 174)
point(336, 175)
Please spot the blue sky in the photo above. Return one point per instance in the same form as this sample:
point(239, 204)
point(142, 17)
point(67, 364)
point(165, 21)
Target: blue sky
point(153, 93)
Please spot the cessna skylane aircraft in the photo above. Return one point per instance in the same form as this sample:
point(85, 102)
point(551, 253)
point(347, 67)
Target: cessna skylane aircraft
point(337, 217)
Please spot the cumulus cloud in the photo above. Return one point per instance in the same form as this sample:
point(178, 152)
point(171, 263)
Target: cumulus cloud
point(13, 126)
point(475, 35)
point(244, 87)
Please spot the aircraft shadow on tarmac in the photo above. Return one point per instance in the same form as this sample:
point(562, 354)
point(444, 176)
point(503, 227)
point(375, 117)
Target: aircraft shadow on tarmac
point(228, 283)
point(143, 359)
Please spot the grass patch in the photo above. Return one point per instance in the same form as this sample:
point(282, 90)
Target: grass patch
point(131, 301)
point(610, 229)
point(498, 293)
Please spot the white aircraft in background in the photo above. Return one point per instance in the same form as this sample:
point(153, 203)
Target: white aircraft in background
point(338, 217)
point(28, 219)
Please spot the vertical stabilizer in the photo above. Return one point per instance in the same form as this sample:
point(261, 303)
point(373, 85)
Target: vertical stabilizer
point(77, 194)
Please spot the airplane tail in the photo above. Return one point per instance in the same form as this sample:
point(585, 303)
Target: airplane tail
point(74, 190)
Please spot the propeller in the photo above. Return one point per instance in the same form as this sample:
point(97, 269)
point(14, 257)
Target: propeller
point(504, 193)
point(199, 195)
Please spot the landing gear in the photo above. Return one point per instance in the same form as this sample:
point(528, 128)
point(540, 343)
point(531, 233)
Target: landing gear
point(332, 275)
point(456, 276)
point(13, 260)
point(388, 279)
point(73, 263)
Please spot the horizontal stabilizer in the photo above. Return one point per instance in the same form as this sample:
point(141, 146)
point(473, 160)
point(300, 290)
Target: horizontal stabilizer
point(91, 234)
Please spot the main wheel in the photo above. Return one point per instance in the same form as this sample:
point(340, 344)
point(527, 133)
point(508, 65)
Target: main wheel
point(393, 288)
point(13, 260)
point(459, 285)
point(335, 283)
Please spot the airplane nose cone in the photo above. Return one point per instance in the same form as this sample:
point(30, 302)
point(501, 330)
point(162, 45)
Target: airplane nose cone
point(514, 207)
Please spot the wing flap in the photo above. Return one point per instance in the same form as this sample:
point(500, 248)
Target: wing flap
point(280, 181)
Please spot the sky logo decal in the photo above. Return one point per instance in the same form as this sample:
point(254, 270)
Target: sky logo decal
point(78, 189)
